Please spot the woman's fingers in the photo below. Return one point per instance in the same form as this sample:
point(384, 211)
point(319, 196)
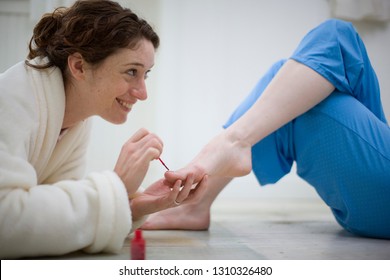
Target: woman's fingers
point(200, 191)
point(175, 192)
point(140, 133)
point(185, 190)
point(183, 173)
point(173, 176)
point(135, 156)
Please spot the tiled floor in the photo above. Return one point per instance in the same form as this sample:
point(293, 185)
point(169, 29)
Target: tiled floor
point(275, 230)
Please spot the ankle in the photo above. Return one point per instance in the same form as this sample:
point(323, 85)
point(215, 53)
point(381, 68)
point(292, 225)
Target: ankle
point(237, 139)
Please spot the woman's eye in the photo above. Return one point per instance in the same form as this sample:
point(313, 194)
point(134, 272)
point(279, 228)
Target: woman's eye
point(132, 72)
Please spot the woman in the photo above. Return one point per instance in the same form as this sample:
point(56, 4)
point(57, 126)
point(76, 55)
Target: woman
point(90, 59)
point(321, 109)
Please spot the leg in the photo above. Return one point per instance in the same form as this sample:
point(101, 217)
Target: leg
point(341, 146)
point(335, 50)
point(360, 82)
point(343, 150)
point(331, 56)
point(346, 158)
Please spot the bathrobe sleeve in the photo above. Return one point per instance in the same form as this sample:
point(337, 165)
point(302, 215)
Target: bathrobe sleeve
point(47, 207)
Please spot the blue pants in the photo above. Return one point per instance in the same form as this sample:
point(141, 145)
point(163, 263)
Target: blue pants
point(341, 146)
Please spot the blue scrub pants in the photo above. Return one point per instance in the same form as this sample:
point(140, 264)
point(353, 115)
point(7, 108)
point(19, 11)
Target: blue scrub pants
point(341, 146)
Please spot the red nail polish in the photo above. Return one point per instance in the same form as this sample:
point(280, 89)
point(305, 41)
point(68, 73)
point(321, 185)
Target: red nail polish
point(138, 246)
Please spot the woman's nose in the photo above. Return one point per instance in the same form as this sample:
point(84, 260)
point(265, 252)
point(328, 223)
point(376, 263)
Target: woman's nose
point(140, 91)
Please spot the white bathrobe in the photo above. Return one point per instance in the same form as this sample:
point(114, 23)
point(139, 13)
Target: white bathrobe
point(46, 206)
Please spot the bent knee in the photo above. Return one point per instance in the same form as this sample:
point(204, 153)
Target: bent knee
point(337, 26)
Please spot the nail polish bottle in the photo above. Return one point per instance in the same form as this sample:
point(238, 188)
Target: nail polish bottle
point(138, 246)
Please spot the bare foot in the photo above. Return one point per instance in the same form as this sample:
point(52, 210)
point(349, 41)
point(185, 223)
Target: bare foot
point(192, 214)
point(185, 217)
point(221, 157)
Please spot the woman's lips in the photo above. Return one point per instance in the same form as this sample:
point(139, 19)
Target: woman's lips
point(125, 104)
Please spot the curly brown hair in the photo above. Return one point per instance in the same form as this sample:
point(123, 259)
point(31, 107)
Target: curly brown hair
point(93, 28)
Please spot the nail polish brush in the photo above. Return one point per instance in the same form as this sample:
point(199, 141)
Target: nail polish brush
point(163, 164)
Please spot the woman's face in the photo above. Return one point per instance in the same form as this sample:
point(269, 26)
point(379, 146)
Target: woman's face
point(119, 82)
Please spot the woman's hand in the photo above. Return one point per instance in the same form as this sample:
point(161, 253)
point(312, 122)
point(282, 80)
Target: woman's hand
point(161, 195)
point(135, 157)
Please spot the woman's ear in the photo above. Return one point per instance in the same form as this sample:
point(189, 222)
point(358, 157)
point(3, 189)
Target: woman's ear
point(76, 65)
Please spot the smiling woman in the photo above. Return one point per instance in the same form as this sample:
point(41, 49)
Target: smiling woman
point(111, 89)
point(89, 59)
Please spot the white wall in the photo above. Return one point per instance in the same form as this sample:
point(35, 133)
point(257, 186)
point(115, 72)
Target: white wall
point(15, 31)
point(212, 53)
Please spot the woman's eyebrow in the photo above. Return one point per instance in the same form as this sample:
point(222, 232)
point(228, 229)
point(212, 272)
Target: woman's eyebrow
point(134, 64)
